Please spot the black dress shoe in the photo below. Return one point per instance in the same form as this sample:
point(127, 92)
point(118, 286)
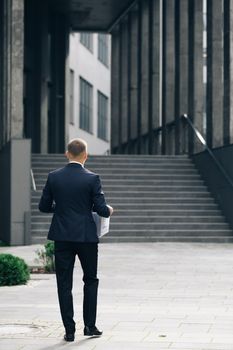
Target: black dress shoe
point(69, 337)
point(90, 331)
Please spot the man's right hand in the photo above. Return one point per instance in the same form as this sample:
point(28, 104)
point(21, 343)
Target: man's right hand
point(110, 209)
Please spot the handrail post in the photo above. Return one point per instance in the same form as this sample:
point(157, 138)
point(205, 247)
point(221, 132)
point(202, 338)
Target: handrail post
point(33, 181)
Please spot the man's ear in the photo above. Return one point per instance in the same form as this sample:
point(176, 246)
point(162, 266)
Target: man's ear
point(67, 154)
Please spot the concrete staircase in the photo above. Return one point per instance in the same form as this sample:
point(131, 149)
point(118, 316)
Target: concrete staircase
point(156, 199)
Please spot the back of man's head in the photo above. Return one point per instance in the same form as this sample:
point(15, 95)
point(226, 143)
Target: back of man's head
point(77, 148)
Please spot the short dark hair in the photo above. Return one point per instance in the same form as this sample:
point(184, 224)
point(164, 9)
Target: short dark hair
point(77, 147)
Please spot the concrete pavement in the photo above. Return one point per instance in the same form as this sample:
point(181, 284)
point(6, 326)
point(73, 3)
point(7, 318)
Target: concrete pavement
point(151, 296)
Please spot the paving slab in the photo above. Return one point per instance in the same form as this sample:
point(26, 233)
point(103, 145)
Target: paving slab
point(152, 296)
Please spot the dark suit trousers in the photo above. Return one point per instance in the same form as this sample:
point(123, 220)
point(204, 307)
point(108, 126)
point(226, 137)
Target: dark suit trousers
point(65, 253)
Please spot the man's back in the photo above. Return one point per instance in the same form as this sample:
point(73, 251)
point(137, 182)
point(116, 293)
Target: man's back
point(75, 192)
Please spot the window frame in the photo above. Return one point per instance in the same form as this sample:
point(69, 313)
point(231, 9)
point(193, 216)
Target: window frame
point(102, 116)
point(103, 49)
point(85, 105)
point(86, 39)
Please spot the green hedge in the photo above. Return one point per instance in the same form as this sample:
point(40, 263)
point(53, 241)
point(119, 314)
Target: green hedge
point(13, 270)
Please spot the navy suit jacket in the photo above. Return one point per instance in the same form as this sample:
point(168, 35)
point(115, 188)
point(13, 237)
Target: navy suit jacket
point(72, 193)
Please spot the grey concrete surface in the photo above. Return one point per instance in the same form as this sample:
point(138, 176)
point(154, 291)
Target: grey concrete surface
point(151, 296)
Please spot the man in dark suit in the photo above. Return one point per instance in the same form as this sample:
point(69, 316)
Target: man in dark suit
point(72, 193)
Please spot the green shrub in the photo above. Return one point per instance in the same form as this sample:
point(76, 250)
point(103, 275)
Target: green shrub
point(13, 270)
point(46, 256)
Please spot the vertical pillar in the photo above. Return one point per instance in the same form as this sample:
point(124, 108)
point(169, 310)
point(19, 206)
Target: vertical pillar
point(44, 80)
point(15, 152)
point(145, 56)
point(12, 73)
point(195, 85)
point(228, 73)
point(178, 42)
point(133, 42)
point(67, 82)
point(115, 66)
point(150, 75)
point(168, 72)
point(156, 70)
point(183, 56)
point(129, 58)
point(215, 72)
point(16, 51)
point(139, 78)
point(231, 72)
point(59, 37)
point(124, 84)
point(181, 99)
point(1, 75)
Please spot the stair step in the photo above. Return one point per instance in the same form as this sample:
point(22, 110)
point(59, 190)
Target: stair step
point(168, 225)
point(152, 232)
point(130, 171)
point(155, 198)
point(141, 202)
point(115, 157)
point(146, 218)
point(147, 187)
point(171, 239)
point(155, 225)
point(166, 233)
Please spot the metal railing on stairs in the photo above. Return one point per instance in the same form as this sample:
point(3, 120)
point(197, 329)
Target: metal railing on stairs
point(207, 148)
point(33, 181)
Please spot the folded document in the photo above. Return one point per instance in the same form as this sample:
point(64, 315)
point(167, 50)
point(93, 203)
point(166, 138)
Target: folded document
point(102, 224)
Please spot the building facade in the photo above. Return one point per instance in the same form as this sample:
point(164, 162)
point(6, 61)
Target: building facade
point(157, 76)
point(90, 89)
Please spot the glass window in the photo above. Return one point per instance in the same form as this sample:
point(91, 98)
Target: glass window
point(87, 40)
point(102, 116)
point(71, 96)
point(86, 106)
point(103, 43)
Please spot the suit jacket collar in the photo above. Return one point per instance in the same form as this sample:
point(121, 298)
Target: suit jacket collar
point(76, 165)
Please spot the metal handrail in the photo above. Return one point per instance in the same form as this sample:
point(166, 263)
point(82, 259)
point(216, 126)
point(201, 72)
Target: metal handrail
point(204, 143)
point(33, 181)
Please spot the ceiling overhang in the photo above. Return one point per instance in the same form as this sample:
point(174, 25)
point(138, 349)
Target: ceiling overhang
point(93, 15)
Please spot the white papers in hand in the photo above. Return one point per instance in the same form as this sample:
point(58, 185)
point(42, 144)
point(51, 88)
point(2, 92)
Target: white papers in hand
point(102, 224)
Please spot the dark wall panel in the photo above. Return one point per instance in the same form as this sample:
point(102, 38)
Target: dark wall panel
point(218, 185)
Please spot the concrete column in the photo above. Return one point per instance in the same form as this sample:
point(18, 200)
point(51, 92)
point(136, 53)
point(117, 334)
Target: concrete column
point(145, 72)
point(133, 75)
point(129, 59)
point(182, 73)
point(15, 201)
point(215, 72)
point(183, 57)
point(139, 78)
point(44, 80)
point(228, 72)
point(196, 87)
point(12, 47)
point(67, 87)
point(124, 82)
point(15, 152)
point(156, 70)
point(169, 72)
point(1, 75)
point(169, 60)
point(15, 57)
point(231, 74)
point(115, 89)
